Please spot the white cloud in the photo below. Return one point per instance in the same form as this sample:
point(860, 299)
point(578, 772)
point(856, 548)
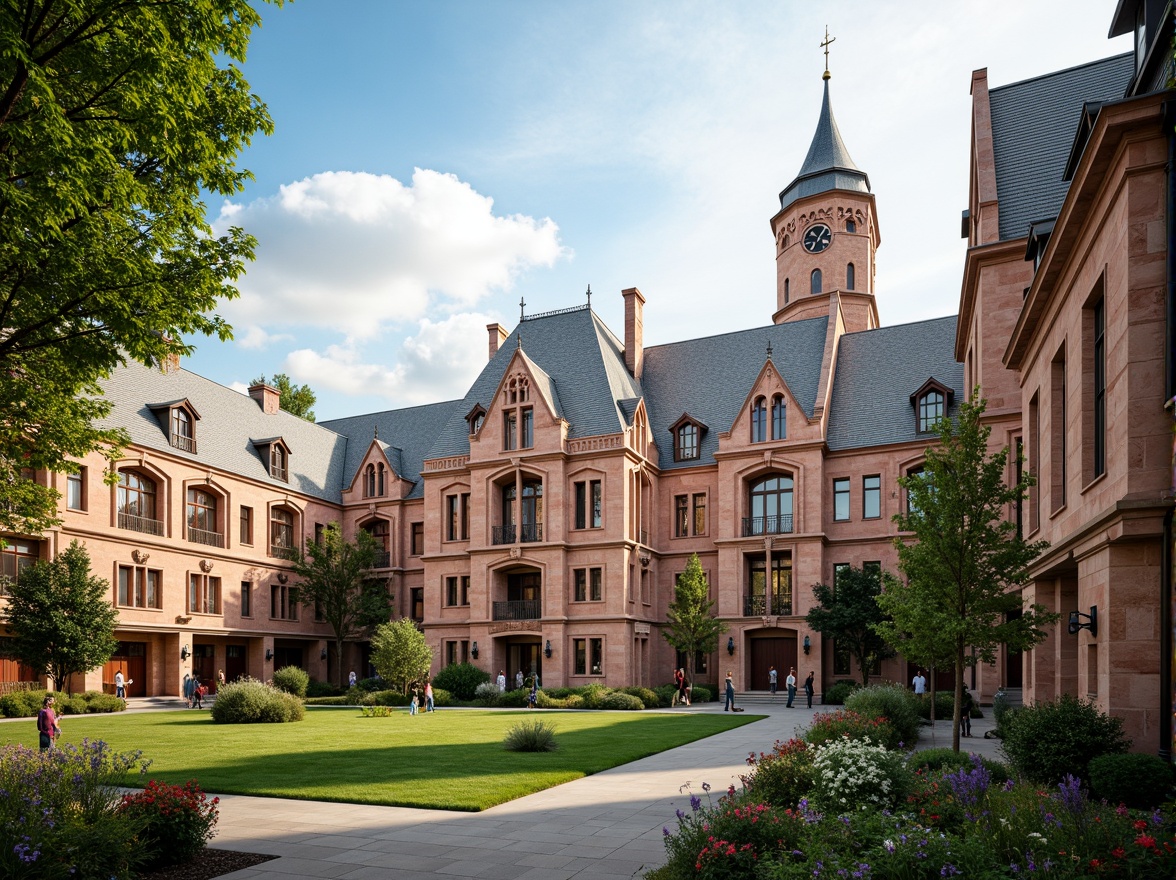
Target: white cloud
point(254, 337)
point(438, 363)
point(354, 251)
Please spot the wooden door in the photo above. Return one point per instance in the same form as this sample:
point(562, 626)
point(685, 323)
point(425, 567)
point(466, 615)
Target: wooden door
point(768, 652)
point(204, 665)
point(131, 659)
point(236, 664)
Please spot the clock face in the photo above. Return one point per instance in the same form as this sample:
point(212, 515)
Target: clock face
point(817, 238)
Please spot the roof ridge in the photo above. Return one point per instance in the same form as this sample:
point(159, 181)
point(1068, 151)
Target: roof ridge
point(993, 89)
point(736, 332)
point(951, 317)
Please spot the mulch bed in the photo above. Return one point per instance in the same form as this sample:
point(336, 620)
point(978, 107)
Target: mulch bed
point(210, 863)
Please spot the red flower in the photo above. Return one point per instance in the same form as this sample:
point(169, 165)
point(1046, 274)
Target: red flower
point(1146, 841)
point(1118, 852)
point(1139, 825)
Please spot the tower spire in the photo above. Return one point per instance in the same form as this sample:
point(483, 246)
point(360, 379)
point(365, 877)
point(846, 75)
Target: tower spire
point(825, 46)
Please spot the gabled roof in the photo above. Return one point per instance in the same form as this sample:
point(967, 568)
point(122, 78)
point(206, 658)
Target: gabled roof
point(404, 435)
point(578, 354)
point(828, 165)
point(876, 371)
point(1033, 126)
point(709, 377)
point(544, 385)
point(223, 437)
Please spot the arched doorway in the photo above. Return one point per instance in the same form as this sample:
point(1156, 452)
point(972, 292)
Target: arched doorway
point(768, 648)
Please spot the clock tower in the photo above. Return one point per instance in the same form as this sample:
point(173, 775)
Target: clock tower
point(826, 234)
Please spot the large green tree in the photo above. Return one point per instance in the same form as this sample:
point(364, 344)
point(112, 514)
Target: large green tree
point(61, 617)
point(116, 116)
point(691, 626)
point(297, 400)
point(847, 612)
point(961, 556)
point(400, 653)
point(335, 578)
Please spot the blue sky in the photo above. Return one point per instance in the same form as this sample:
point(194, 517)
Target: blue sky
point(433, 163)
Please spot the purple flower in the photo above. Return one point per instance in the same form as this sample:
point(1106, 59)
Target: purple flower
point(665, 831)
point(695, 802)
point(1008, 786)
point(1071, 795)
point(948, 871)
point(681, 815)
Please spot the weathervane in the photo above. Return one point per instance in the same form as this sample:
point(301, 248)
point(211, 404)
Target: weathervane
point(825, 46)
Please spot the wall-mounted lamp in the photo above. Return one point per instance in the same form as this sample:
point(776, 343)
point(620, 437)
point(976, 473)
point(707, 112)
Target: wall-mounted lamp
point(184, 652)
point(730, 644)
point(323, 655)
point(1076, 621)
point(807, 644)
point(474, 650)
point(269, 653)
point(547, 649)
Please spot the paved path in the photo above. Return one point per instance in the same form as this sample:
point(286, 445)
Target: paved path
point(602, 827)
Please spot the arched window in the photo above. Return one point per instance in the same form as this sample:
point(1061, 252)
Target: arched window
point(849, 279)
point(687, 442)
point(779, 418)
point(531, 511)
point(770, 506)
point(136, 503)
point(786, 291)
point(281, 532)
point(202, 522)
point(379, 531)
point(815, 283)
point(759, 421)
point(850, 226)
point(787, 242)
point(380, 480)
point(369, 481)
point(930, 410)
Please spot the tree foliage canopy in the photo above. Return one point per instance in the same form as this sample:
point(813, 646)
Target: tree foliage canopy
point(400, 654)
point(61, 617)
point(335, 578)
point(297, 400)
point(691, 625)
point(115, 116)
point(847, 612)
point(963, 559)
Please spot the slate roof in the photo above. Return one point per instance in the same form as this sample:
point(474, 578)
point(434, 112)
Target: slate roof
point(1033, 126)
point(876, 373)
point(405, 436)
point(710, 378)
point(225, 434)
point(828, 164)
point(584, 373)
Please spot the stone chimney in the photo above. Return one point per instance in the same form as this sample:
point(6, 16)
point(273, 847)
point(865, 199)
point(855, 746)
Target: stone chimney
point(634, 333)
point(498, 336)
point(267, 397)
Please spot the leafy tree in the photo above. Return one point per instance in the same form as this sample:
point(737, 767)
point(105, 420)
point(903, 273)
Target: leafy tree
point(61, 617)
point(115, 117)
point(335, 579)
point(691, 625)
point(400, 654)
point(847, 612)
point(963, 560)
point(296, 400)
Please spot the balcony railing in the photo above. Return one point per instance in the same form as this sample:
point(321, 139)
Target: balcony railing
point(140, 524)
point(502, 535)
point(530, 532)
point(767, 525)
point(187, 444)
point(281, 551)
point(382, 559)
point(527, 533)
point(522, 609)
point(203, 536)
point(757, 606)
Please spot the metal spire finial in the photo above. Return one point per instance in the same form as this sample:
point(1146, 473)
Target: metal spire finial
point(375, 432)
point(522, 305)
point(589, 296)
point(825, 46)
point(769, 349)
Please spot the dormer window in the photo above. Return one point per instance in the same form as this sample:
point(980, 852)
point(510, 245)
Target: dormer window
point(687, 438)
point(930, 402)
point(277, 456)
point(475, 418)
point(178, 418)
point(1039, 233)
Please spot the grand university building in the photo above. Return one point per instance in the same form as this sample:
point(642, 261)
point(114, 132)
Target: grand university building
point(540, 522)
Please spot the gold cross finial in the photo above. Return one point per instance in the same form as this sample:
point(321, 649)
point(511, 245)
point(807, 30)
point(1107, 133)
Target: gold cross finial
point(825, 46)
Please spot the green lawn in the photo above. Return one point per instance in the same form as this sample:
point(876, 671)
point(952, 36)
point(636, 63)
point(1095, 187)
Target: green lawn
point(450, 760)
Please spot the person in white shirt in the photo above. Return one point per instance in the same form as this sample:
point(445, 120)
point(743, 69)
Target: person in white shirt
point(919, 683)
point(772, 678)
point(120, 685)
point(501, 681)
point(790, 681)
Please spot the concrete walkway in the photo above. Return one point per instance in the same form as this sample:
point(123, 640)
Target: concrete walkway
point(602, 827)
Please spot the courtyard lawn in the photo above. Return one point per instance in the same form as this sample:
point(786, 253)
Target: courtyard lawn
point(449, 760)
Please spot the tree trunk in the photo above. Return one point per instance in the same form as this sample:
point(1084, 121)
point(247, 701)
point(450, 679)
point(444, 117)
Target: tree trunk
point(959, 695)
point(339, 661)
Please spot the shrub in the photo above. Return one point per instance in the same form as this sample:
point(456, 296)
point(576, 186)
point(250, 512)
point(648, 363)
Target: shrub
point(292, 680)
point(387, 698)
point(1139, 781)
point(836, 693)
point(97, 702)
point(1052, 739)
point(617, 700)
point(700, 693)
point(461, 679)
point(665, 694)
point(329, 701)
point(845, 723)
point(1001, 708)
point(22, 704)
point(530, 736)
point(547, 701)
point(249, 701)
point(322, 689)
point(649, 699)
point(894, 703)
point(442, 697)
point(178, 821)
point(935, 761)
point(486, 693)
point(944, 705)
point(782, 776)
point(375, 711)
point(592, 694)
point(850, 774)
point(375, 683)
point(26, 704)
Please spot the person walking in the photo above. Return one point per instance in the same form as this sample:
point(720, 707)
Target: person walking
point(966, 704)
point(220, 679)
point(790, 683)
point(412, 705)
point(533, 697)
point(48, 725)
point(773, 675)
point(428, 696)
point(188, 689)
point(501, 681)
point(197, 692)
point(729, 687)
point(808, 688)
point(351, 678)
point(120, 685)
point(678, 685)
point(919, 683)
point(519, 680)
